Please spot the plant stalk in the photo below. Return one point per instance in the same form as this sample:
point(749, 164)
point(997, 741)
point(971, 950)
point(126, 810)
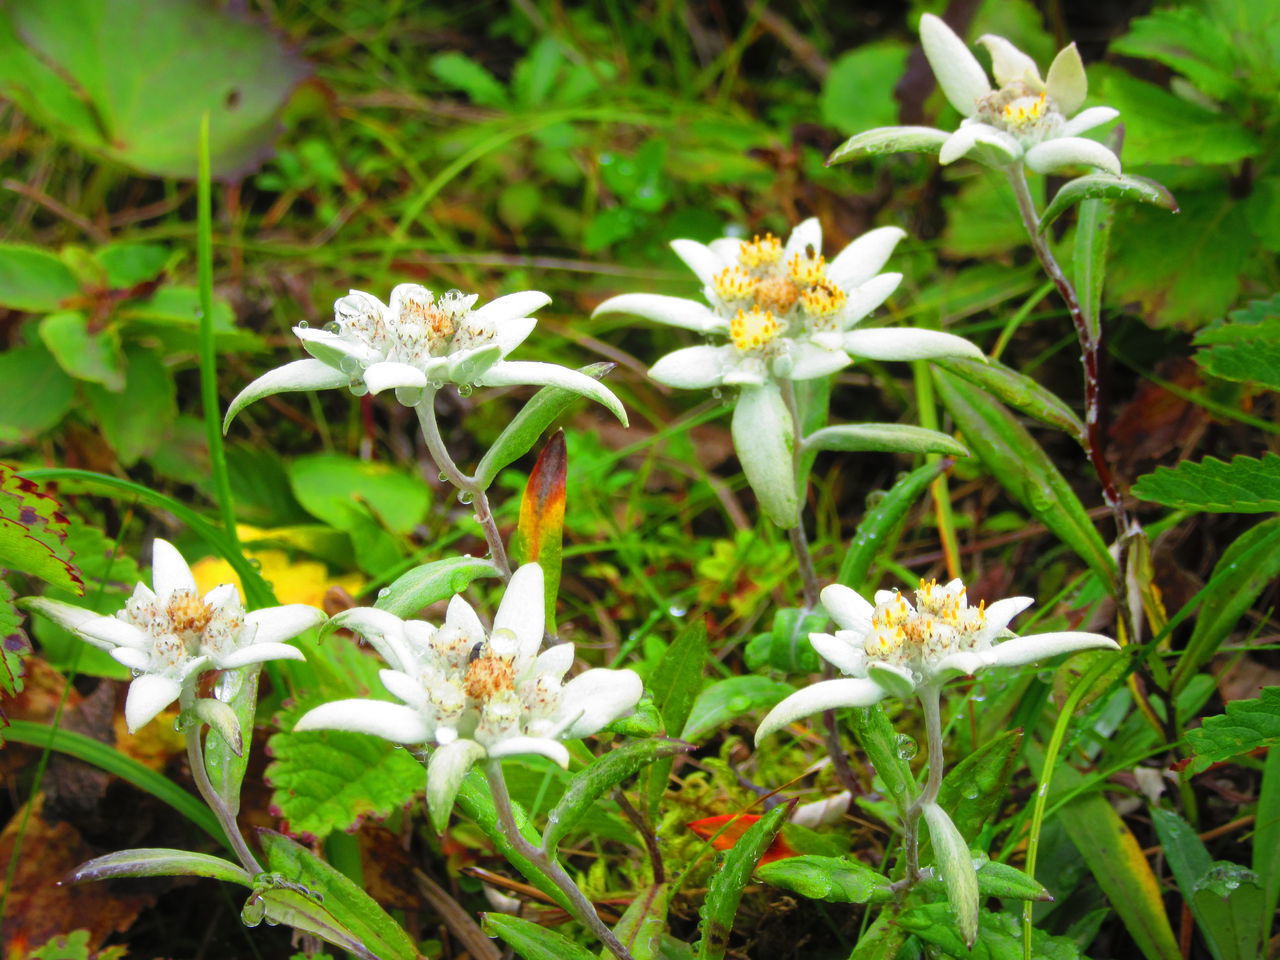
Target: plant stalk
point(931, 700)
point(195, 757)
point(799, 541)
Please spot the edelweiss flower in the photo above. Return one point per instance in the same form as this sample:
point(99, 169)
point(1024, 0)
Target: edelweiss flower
point(787, 313)
point(1026, 119)
point(478, 693)
point(419, 341)
point(169, 635)
point(894, 648)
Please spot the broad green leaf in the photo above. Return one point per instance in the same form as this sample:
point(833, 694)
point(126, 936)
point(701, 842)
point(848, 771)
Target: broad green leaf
point(598, 778)
point(858, 92)
point(539, 536)
point(999, 936)
point(1019, 391)
point(172, 316)
point(1247, 725)
point(148, 386)
point(879, 528)
point(339, 489)
point(974, 789)
point(519, 436)
point(1022, 467)
point(834, 879)
point(884, 437)
point(1227, 899)
point(889, 140)
point(326, 780)
point(997, 879)
point(786, 647)
point(728, 881)
point(1106, 186)
point(33, 279)
point(350, 906)
point(107, 78)
point(462, 73)
point(882, 940)
point(1246, 348)
point(955, 864)
point(1245, 485)
point(432, 582)
point(159, 862)
point(642, 925)
point(33, 534)
point(82, 351)
point(675, 683)
point(878, 739)
point(31, 372)
point(1189, 41)
point(729, 699)
point(1189, 862)
point(532, 940)
point(129, 264)
point(285, 906)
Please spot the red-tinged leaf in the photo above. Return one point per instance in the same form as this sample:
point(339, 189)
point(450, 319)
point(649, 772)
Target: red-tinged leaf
point(725, 830)
point(539, 538)
point(33, 533)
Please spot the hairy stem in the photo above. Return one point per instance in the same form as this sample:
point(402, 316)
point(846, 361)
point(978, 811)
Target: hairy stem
point(584, 912)
point(931, 700)
point(800, 542)
point(195, 757)
point(426, 409)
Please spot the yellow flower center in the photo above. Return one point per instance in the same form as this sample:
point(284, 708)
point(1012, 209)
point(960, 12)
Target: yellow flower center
point(1025, 111)
point(807, 268)
point(753, 329)
point(488, 676)
point(735, 283)
point(822, 300)
point(761, 252)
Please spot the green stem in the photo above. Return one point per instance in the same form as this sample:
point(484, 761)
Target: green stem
point(195, 757)
point(585, 912)
point(931, 700)
point(799, 541)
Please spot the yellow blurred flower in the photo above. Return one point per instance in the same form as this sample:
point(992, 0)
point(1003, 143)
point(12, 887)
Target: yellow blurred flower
point(294, 581)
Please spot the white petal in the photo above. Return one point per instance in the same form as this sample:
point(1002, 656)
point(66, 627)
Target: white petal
point(904, 343)
point(148, 695)
point(884, 596)
point(334, 349)
point(748, 373)
point(673, 311)
point(1041, 646)
point(699, 258)
point(513, 332)
point(846, 657)
point(386, 374)
point(1052, 155)
point(693, 368)
point(1000, 613)
point(728, 249)
point(192, 666)
point(864, 257)
point(65, 615)
point(258, 653)
point(822, 813)
point(867, 297)
point(1010, 65)
point(810, 361)
point(806, 234)
point(407, 299)
point(507, 373)
point(462, 616)
point(1088, 119)
point(510, 307)
point(596, 698)
point(959, 73)
point(764, 437)
point(446, 769)
point(555, 661)
point(817, 697)
point(108, 632)
point(131, 657)
point(391, 721)
point(169, 572)
point(971, 137)
point(1066, 82)
point(282, 623)
point(512, 746)
point(221, 595)
point(383, 630)
point(847, 607)
point(966, 662)
point(299, 375)
point(523, 611)
point(471, 364)
point(404, 687)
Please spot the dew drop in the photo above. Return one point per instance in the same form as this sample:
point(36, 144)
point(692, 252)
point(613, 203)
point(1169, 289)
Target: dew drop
point(444, 477)
point(676, 611)
point(465, 389)
point(465, 496)
point(253, 912)
point(905, 747)
point(332, 327)
point(384, 592)
point(302, 324)
point(437, 384)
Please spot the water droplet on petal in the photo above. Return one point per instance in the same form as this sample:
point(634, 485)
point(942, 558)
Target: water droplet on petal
point(332, 327)
point(303, 324)
point(384, 592)
point(444, 477)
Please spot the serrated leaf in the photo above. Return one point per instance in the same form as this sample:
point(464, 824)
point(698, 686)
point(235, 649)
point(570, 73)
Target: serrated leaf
point(883, 437)
point(326, 780)
point(33, 534)
point(539, 536)
point(1017, 390)
point(889, 140)
point(160, 862)
point(432, 582)
point(833, 879)
point(728, 881)
point(1106, 186)
point(1189, 41)
point(532, 940)
point(33, 279)
point(729, 699)
point(1247, 349)
point(1247, 725)
point(14, 646)
point(878, 530)
point(1245, 485)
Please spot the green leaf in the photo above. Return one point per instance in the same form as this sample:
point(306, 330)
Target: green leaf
point(951, 855)
point(786, 647)
point(32, 279)
point(83, 352)
point(1246, 726)
point(1022, 467)
point(1189, 41)
point(1089, 261)
point(878, 739)
point(857, 94)
point(885, 438)
point(106, 77)
point(336, 489)
point(325, 780)
point(999, 936)
point(226, 767)
point(1106, 186)
point(728, 699)
point(1019, 391)
point(32, 373)
point(350, 906)
point(462, 73)
point(642, 925)
point(532, 940)
point(1247, 349)
point(728, 881)
point(1228, 901)
point(879, 528)
point(129, 264)
point(14, 647)
point(764, 438)
point(674, 683)
point(974, 789)
point(834, 879)
point(1266, 835)
point(539, 536)
point(301, 910)
point(148, 386)
point(997, 879)
point(33, 534)
point(883, 140)
point(599, 777)
point(1245, 485)
point(159, 862)
point(432, 582)
point(882, 940)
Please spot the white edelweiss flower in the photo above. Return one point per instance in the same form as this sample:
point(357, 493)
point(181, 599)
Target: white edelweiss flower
point(477, 693)
point(419, 341)
point(895, 647)
point(1025, 119)
point(170, 634)
point(786, 311)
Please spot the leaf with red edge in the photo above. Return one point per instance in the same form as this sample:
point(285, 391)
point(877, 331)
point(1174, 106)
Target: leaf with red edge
point(539, 538)
point(33, 534)
point(725, 830)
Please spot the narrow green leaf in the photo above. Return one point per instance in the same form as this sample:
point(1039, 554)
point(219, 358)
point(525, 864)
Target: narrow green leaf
point(283, 906)
point(834, 879)
point(729, 880)
point(539, 536)
point(642, 925)
point(974, 789)
point(1247, 725)
point(160, 862)
point(1266, 835)
point(432, 582)
point(881, 140)
point(1089, 258)
point(675, 683)
point(532, 940)
point(226, 767)
point(878, 529)
point(786, 647)
point(598, 778)
point(1245, 485)
point(885, 438)
point(1017, 390)
point(1106, 186)
point(349, 905)
point(728, 699)
point(1022, 467)
point(878, 739)
point(519, 436)
point(997, 879)
point(33, 279)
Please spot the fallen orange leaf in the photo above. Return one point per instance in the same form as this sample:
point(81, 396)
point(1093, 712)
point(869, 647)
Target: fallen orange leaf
point(735, 825)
